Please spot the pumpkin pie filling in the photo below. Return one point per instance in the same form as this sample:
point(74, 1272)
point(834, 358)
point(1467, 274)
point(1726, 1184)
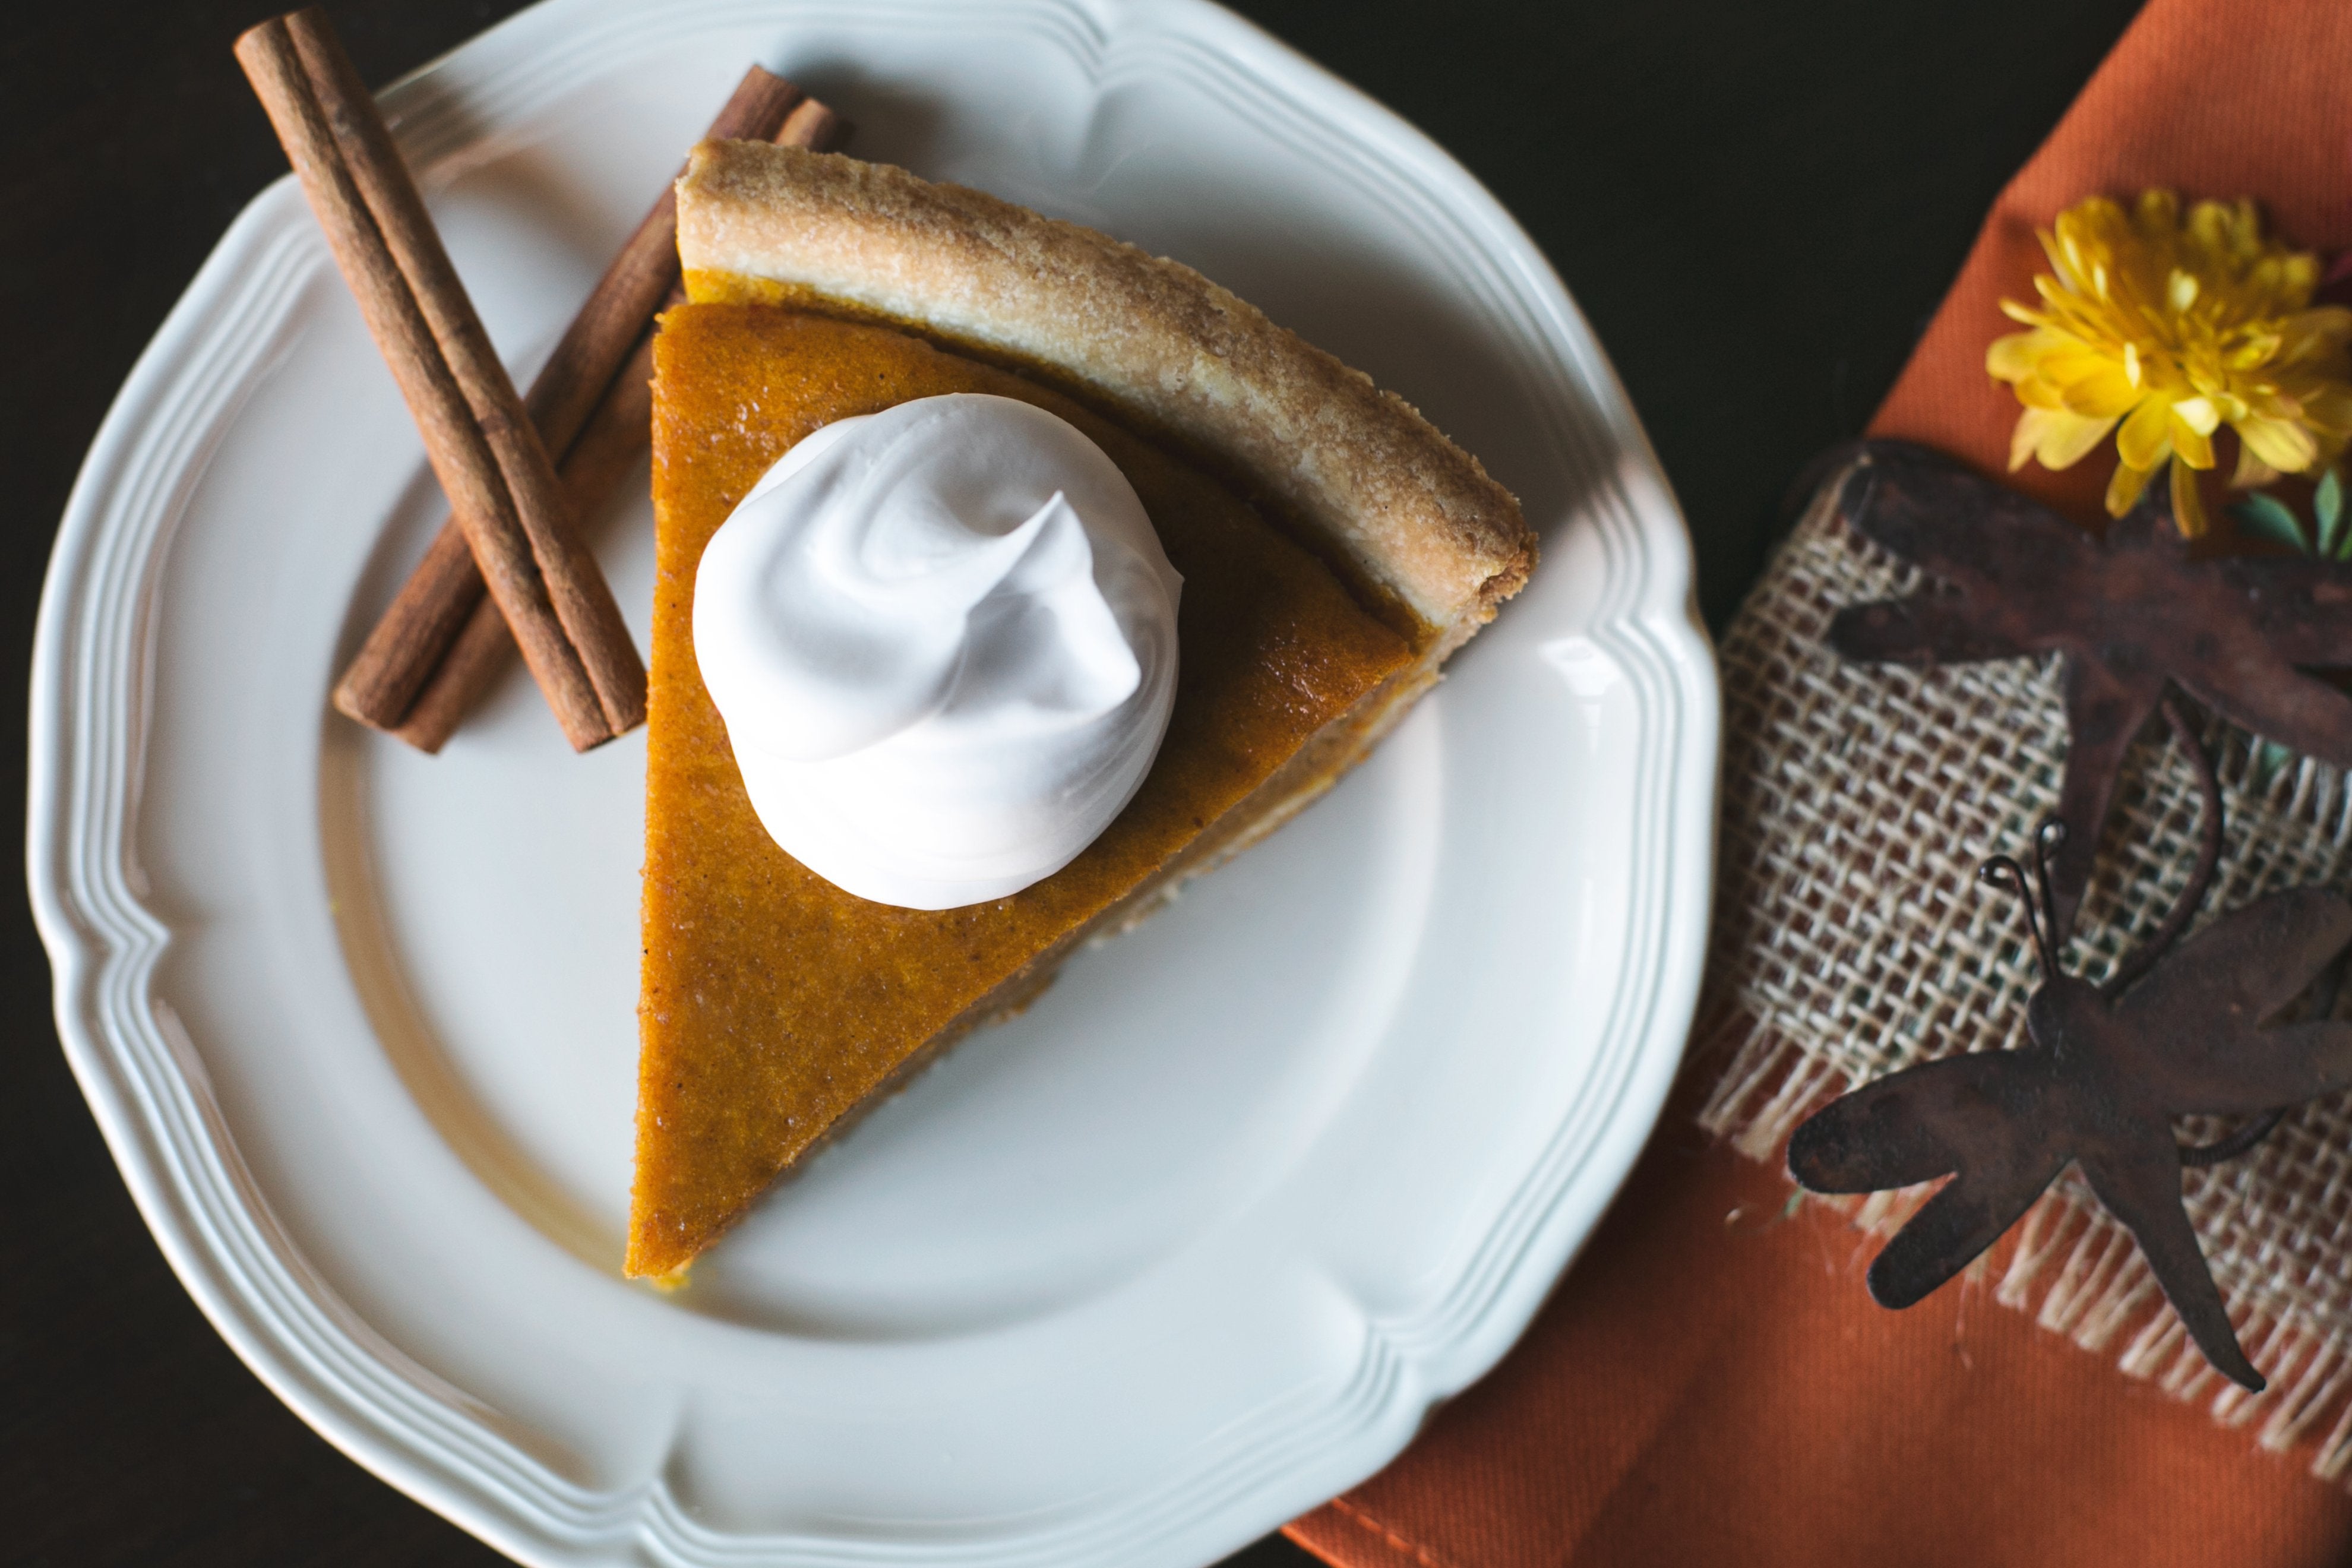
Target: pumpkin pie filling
point(773, 1004)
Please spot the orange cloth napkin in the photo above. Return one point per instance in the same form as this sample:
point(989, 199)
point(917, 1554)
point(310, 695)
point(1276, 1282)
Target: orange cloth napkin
point(1710, 1383)
point(1710, 1386)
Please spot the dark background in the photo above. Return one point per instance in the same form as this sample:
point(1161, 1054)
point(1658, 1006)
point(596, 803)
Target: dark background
point(1756, 205)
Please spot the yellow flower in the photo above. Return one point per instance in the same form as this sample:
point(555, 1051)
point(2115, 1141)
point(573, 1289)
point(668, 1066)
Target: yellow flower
point(2164, 332)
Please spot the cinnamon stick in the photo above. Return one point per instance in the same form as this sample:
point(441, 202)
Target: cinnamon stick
point(477, 653)
point(385, 684)
point(810, 125)
point(438, 619)
point(641, 277)
point(583, 602)
point(484, 453)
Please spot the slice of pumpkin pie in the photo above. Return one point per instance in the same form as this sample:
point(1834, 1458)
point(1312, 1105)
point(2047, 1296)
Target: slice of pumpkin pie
point(1332, 547)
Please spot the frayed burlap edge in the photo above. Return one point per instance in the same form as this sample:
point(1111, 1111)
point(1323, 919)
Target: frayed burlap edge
point(1852, 938)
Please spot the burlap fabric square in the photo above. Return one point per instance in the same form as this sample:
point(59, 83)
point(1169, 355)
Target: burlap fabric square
point(1853, 938)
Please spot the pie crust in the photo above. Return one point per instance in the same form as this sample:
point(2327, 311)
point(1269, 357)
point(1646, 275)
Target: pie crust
point(1149, 338)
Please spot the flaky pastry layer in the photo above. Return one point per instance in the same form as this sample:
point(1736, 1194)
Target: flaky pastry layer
point(1154, 340)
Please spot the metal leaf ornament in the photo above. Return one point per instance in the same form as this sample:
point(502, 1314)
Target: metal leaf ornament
point(2175, 1031)
point(2133, 614)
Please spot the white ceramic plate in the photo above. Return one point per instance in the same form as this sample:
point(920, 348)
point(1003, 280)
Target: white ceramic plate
point(1193, 1245)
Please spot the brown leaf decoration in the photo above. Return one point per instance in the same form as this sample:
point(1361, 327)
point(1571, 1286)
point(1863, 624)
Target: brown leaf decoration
point(2100, 1083)
point(2131, 612)
point(2174, 1032)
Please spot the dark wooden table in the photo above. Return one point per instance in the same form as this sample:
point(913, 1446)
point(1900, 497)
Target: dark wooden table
point(1755, 205)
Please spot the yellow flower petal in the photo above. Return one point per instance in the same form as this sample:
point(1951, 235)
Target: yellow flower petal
point(2257, 349)
point(2040, 393)
point(2252, 472)
point(2320, 321)
point(2187, 508)
point(2145, 438)
point(2329, 408)
point(2068, 362)
point(2287, 447)
point(2014, 355)
point(2124, 488)
point(2189, 447)
point(2067, 439)
point(2054, 251)
point(2105, 395)
point(2026, 437)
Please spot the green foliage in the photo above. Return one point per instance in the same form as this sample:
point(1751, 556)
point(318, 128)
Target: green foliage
point(2264, 516)
point(2267, 517)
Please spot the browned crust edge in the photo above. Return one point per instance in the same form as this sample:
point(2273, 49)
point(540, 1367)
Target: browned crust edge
point(1150, 336)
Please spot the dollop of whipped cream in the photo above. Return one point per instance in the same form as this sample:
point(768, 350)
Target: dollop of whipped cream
point(943, 640)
